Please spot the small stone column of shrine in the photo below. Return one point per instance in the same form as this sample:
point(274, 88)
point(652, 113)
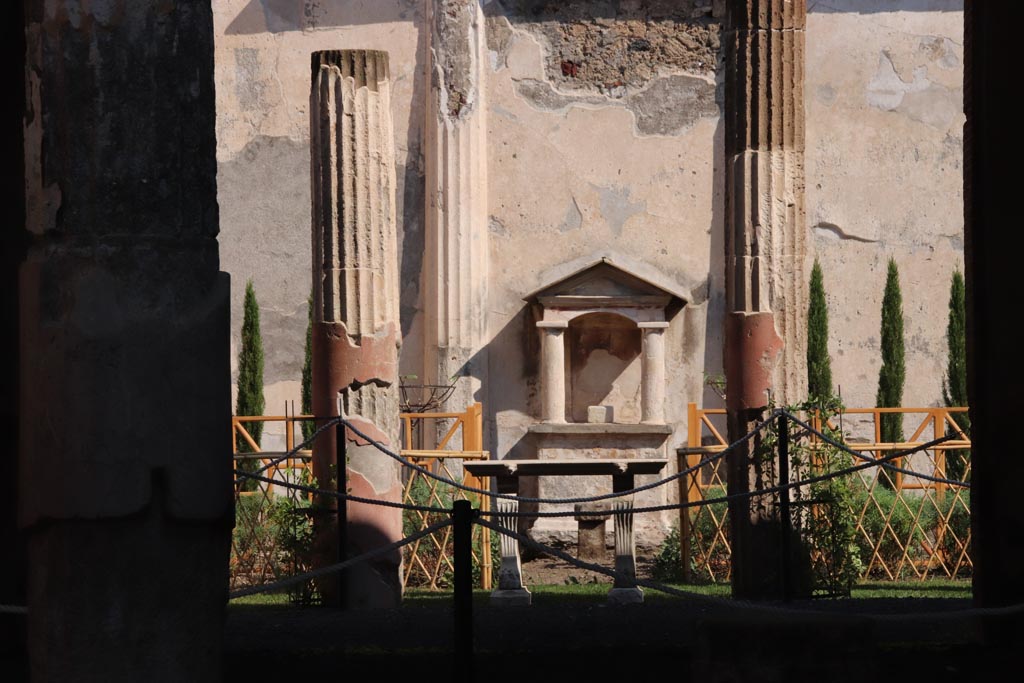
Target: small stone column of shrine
point(455, 155)
point(552, 370)
point(355, 303)
point(652, 397)
point(765, 241)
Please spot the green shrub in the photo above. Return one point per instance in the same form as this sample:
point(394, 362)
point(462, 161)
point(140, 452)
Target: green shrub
point(831, 527)
point(668, 564)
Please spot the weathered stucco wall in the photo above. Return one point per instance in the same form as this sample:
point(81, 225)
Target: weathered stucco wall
point(263, 80)
point(884, 178)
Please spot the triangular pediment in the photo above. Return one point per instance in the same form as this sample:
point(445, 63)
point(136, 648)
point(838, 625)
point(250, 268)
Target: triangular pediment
point(606, 278)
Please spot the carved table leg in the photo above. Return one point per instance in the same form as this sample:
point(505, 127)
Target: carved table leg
point(625, 591)
point(510, 590)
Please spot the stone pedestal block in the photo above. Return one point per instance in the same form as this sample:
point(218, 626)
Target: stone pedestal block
point(590, 544)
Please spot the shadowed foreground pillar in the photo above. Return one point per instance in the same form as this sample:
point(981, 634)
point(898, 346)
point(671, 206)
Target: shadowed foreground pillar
point(355, 300)
point(125, 487)
point(992, 248)
point(765, 242)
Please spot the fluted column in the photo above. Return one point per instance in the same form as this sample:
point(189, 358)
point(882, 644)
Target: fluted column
point(652, 385)
point(355, 298)
point(456, 260)
point(766, 242)
point(552, 370)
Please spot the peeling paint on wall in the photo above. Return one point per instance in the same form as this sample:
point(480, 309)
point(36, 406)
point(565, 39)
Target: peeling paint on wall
point(672, 104)
point(453, 55)
point(248, 79)
point(612, 47)
point(573, 217)
point(669, 106)
point(616, 207)
point(920, 98)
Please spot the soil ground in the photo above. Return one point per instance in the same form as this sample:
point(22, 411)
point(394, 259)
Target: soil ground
point(548, 571)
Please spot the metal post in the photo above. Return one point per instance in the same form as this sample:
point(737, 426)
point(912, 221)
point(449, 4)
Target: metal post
point(462, 514)
point(787, 522)
point(341, 477)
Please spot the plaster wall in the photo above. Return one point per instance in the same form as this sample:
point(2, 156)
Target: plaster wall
point(884, 101)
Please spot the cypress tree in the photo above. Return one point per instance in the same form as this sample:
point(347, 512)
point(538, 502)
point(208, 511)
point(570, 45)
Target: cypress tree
point(250, 369)
point(308, 427)
point(893, 371)
point(954, 385)
point(819, 365)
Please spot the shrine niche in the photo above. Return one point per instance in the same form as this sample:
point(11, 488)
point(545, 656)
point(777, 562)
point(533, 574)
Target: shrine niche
point(602, 345)
point(602, 371)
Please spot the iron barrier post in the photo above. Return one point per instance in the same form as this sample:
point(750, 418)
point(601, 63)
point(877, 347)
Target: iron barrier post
point(341, 477)
point(462, 514)
point(787, 522)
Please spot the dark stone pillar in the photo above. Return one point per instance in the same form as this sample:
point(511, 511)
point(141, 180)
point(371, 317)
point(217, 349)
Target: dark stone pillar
point(125, 379)
point(13, 660)
point(992, 255)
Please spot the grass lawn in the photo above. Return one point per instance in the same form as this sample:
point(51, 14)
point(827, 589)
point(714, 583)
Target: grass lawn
point(597, 592)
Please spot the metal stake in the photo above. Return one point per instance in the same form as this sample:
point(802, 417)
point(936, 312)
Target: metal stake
point(462, 514)
point(787, 522)
point(341, 477)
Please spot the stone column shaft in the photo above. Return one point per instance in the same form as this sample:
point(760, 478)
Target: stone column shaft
point(652, 398)
point(456, 260)
point(766, 242)
point(552, 371)
point(355, 303)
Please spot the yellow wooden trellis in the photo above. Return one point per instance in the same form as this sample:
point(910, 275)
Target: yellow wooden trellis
point(428, 560)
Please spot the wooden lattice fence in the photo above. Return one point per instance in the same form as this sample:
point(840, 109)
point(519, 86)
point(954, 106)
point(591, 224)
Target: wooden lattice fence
point(907, 526)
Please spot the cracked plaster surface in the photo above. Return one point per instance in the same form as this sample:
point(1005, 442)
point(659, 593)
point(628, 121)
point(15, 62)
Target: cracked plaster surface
point(662, 102)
